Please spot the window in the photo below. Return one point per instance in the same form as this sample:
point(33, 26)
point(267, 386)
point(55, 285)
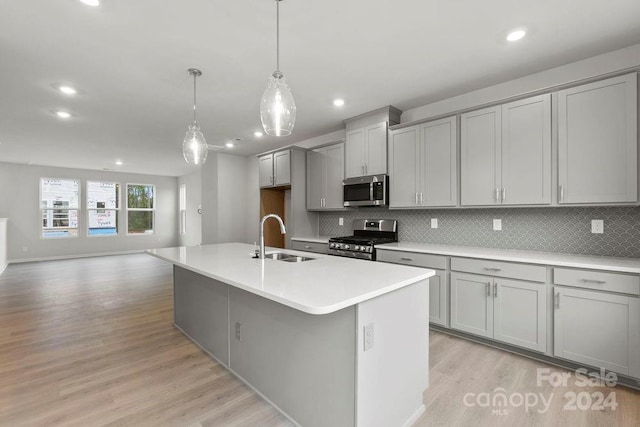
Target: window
point(59, 203)
point(183, 208)
point(140, 208)
point(103, 203)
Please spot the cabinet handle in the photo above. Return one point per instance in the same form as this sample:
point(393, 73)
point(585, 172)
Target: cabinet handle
point(504, 194)
point(488, 289)
point(556, 302)
point(307, 247)
point(597, 282)
point(561, 192)
point(421, 198)
point(416, 198)
point(497, 198)
point(492, 269)
point(362, 169)
point(366, 168)
point(495, 290)
point(406, 259)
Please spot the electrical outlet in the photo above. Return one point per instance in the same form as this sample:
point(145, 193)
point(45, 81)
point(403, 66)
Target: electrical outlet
point(434, 222)
point(597, 226)
point(368, 336)
point(497, 225)
point(340, 221)
point(238, 330)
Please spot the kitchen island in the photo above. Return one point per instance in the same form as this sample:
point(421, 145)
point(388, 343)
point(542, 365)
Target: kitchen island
point(330, 341)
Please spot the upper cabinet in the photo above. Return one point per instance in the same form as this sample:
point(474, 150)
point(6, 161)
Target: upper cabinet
point(275, 169)
point(325, 172)
point(422, 165)
point(598, 142)
point(366, 150)
point(506, 154)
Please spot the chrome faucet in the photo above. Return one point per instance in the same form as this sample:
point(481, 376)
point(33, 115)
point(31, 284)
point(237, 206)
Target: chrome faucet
point(282, 231)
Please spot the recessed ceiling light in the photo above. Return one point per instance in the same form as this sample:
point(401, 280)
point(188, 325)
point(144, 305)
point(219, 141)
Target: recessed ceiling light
point(229, 144)
point(63, 114)
point(67, 90)
point(119, 162)
point(258, 134)
point(516, 35)
point(91, 2)
point(338, 102)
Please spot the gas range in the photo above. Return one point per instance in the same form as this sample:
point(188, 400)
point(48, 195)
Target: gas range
point(366, 234)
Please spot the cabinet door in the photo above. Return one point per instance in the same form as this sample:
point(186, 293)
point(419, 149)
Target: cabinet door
point(439, 155)
point(526, 151)
point(472, 304)
point(375, 149)
point(598, 329)
point(597, 142)
point(438, 301)
point(404, 167)
point(520, 313)
point(282, 167)
point(315, 179)
point(354, 153)
point(334, 175)
point(480, 157)
point(266, 170)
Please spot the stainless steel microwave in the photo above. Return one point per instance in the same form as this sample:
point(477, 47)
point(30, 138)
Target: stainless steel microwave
point(372, 190)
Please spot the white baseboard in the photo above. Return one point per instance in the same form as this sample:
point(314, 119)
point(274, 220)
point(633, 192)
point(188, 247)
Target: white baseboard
point(60, 257)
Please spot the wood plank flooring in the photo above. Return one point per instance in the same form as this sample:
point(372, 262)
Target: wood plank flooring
point(90, 342)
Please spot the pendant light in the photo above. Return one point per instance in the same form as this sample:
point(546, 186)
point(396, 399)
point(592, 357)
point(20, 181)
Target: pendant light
point(194, 146)
point(277, 108)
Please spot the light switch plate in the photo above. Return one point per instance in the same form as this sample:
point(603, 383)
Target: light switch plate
point(497, 225)
point(597, 226)
point(434, 222)
point(340, 221)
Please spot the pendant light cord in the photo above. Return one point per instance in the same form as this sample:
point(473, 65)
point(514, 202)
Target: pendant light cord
point(278, 35)
point(194, 98)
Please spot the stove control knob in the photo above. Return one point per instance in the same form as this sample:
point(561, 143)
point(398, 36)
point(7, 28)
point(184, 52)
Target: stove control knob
point(346, 247)
point(364, 249)
point(357, 248)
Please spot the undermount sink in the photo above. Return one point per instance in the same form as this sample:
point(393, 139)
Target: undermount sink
point(281, 256)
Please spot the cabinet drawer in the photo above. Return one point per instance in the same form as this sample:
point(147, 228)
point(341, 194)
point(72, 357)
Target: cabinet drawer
point(600, 280)
point(412, 258)
point(534, 273)
point(320, 248)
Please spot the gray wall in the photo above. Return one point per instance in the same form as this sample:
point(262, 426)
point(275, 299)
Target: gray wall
point(564, 230)
point(193, 183)
point(19, 194)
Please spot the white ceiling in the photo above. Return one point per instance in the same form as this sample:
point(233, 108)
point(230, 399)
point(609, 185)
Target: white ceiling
point(129, 59)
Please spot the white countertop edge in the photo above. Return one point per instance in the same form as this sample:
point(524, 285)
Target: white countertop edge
point(304, 308)
point(552, 259)
point(316, 239)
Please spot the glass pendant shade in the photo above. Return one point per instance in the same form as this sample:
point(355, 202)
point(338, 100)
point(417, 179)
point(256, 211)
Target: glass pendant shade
point(277, 108)
point(194, 146)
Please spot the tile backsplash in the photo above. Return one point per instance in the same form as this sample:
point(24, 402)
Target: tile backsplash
point(558, 229)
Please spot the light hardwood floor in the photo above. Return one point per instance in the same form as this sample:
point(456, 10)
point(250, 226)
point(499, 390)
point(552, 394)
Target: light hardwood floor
point(90, 342)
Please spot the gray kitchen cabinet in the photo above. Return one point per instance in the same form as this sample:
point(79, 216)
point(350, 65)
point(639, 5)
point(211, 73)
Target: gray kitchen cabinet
point(511, 311)
point(598, 143)
point(366, 150)
point(598, 329)
point(325, 173)
point(275, 169)
point(423, 165)
point(506, 154)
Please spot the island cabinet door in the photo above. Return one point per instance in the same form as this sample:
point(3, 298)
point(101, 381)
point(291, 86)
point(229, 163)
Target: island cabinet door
point(201, 311)
point(438, 300)
point(598, 329)
point(520, 313)
point(472, 304)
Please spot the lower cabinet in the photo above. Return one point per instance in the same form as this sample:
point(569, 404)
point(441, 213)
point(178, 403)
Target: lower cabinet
point(598, 329)
point(511, 311)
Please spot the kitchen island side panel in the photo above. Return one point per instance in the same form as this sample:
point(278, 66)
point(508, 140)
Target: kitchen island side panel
point(304, 363)
point(201, 311)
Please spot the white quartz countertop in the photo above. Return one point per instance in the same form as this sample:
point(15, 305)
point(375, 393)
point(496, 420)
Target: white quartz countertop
point(623, 265)
point(313, 239)
point(320, 286)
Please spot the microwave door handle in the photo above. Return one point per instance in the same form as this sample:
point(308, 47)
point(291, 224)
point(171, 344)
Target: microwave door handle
point(371, 192)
